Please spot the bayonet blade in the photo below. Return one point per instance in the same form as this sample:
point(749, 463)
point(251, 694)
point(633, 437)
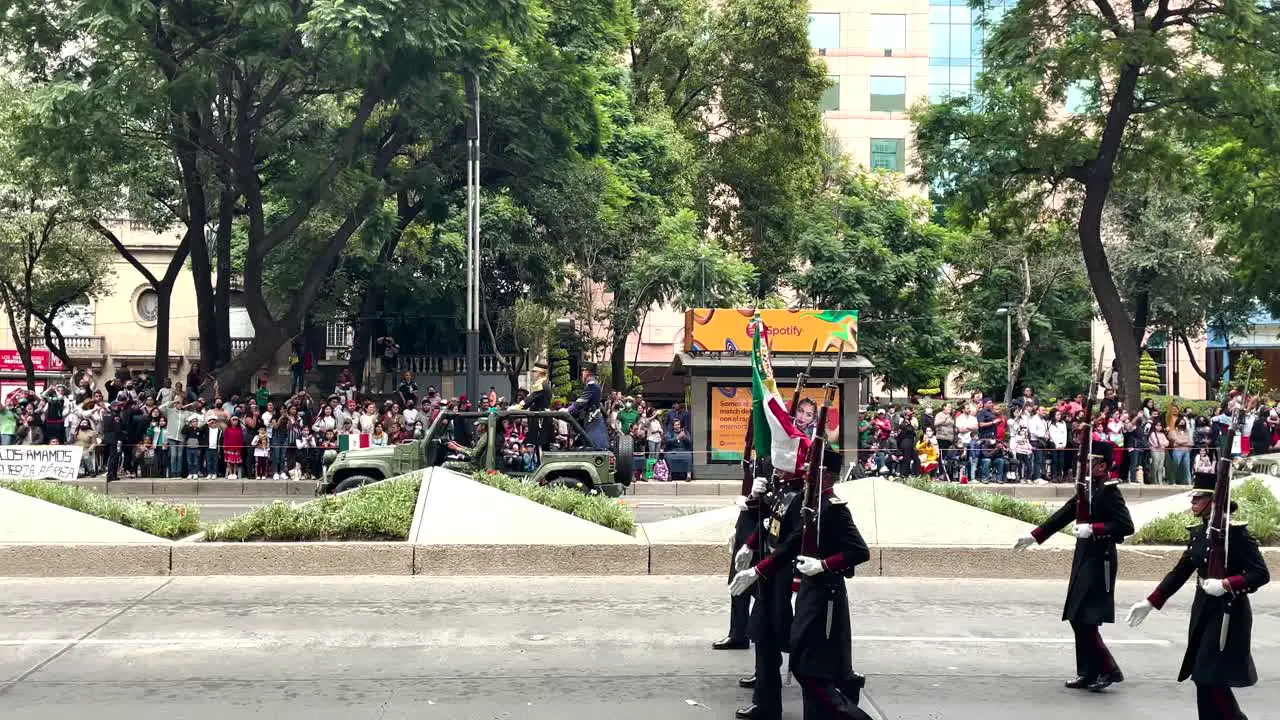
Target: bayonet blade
point(812, 354)
point(1226, 624)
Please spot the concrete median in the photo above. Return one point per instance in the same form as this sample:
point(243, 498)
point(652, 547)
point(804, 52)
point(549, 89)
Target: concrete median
point(54, 560)
point(302, 558)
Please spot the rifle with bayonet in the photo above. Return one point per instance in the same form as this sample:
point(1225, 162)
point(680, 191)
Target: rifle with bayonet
point(1084, 464)
point(1220, 517)
point(816, 469)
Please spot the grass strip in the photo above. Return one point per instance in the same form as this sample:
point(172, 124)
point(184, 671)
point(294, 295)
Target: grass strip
point(599, 509)
point(162, 519)
point(381, 511)
point(1257, 506)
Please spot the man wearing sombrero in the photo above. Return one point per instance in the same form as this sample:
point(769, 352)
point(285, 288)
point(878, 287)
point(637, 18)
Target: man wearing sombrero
point(1091, 592)
point(1214, 666)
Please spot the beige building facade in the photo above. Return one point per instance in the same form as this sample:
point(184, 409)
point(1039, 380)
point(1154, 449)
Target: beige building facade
point(117, 331)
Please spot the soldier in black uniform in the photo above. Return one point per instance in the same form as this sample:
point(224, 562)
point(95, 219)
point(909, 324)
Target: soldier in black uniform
point(1091, 593)
point(1214, 668)
point(749, 522)
point(821, 634)
point(771, 577)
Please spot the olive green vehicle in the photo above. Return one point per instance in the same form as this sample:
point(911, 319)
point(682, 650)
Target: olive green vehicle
point(579, 465)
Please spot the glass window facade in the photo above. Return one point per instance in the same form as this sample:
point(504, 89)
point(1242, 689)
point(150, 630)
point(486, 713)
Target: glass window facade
point(955, 44)
point(888, 32)
point(824, 30)
point(887, 154)
point(830, 99)
point(888, 94)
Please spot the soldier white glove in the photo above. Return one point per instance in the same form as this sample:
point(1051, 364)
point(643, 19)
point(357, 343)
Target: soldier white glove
point(759, 486)
point(1216, 588)
point(809, 566)
point(1084, 531)
point(1138, 612)
point(743, 581)
point(1024, 542)
point(742, 503)
point(742, 558)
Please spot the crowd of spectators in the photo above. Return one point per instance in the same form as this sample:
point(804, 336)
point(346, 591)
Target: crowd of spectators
point(661, 443)
point(1034, 442)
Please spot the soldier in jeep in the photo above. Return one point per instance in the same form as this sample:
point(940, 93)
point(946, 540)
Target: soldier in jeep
point(473, 458)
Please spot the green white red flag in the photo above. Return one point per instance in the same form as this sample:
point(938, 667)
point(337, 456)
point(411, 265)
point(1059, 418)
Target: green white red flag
point(773, 431)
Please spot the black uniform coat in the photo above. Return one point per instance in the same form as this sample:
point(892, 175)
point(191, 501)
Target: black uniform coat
point(1246, 572)
point(821, 634)
point(1091, 596)
point(771, 615)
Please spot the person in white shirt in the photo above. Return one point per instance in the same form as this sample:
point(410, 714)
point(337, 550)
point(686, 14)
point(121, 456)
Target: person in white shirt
point(1058, 432)
point(411, 414)
point(1037, 426)
point(966, 435)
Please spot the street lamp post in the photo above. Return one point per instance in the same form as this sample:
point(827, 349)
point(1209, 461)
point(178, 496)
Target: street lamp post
point(473, 238)
point(1008, 353)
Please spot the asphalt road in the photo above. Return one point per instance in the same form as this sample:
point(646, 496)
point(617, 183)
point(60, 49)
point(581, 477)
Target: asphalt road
point(552, 649)
point(647, 509)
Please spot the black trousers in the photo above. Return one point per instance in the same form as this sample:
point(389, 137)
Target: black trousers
point(739, 606)
point(829, 700)
point(113, 462)
point(1092, 656)
point(767, 694)
point(1217, 702)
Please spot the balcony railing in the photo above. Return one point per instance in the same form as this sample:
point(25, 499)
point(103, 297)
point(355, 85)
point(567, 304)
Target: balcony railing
point(449, 364)
point(84, 346)
point(238, 346)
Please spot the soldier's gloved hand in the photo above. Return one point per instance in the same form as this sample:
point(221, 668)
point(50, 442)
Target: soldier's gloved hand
point(809, 566)
point(1139, 612)
point(742, 503)
point(1024, 542)
point(1084, 531)
point(1215, 588)
point(759, 486)
point(743, 581)
point(742, 558)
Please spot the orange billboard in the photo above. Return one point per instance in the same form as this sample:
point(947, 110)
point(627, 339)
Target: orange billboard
point(730, 413)
point(725, 330)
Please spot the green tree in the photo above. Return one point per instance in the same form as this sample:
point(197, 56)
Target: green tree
point(870, 247)
point(301, 138)
point(1140, 93)
point(1248, 374)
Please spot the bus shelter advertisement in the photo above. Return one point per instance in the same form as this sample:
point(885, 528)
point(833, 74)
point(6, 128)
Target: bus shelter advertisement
point(790, 331)
point(730, 413)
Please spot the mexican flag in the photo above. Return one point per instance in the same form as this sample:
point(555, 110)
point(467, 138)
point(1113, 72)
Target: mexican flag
point(353, 441)
point(772, 430)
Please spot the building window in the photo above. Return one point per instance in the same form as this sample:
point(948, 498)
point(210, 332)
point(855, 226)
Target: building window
point(888, 94)
point(956, 38)
point(830, 99)
point(824, 30)
point(886, 154)
point(1077, 97)
point(147, 306)
point(889, 31)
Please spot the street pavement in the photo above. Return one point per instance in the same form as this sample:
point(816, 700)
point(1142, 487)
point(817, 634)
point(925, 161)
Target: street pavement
point(626, 648)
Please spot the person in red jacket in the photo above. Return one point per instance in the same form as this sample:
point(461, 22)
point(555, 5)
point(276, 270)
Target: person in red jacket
point(233, 447)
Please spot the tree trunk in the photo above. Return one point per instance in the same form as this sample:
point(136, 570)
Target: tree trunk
point(1141, 313)
point(618, 364)
point(164, 302)
point(1097, 187)
point(238, 373)
point(222, 295)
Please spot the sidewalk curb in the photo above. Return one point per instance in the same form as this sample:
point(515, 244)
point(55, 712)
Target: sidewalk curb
point(191, 557)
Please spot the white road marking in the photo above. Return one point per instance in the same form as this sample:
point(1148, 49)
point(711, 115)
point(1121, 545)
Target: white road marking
point(284, 641)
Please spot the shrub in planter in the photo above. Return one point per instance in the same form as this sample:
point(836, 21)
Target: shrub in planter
point(1006, 505)
point(1257, 507)
point(599, 509)
point(381, 511)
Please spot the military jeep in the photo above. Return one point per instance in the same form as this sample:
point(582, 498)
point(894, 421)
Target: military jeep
point(556, 459)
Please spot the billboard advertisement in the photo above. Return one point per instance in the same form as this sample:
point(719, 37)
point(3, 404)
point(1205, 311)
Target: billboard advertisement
point(729, 412)
point(790, 331)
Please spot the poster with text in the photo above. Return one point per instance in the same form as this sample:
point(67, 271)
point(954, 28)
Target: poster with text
point(39, 462)
point(730, 411)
